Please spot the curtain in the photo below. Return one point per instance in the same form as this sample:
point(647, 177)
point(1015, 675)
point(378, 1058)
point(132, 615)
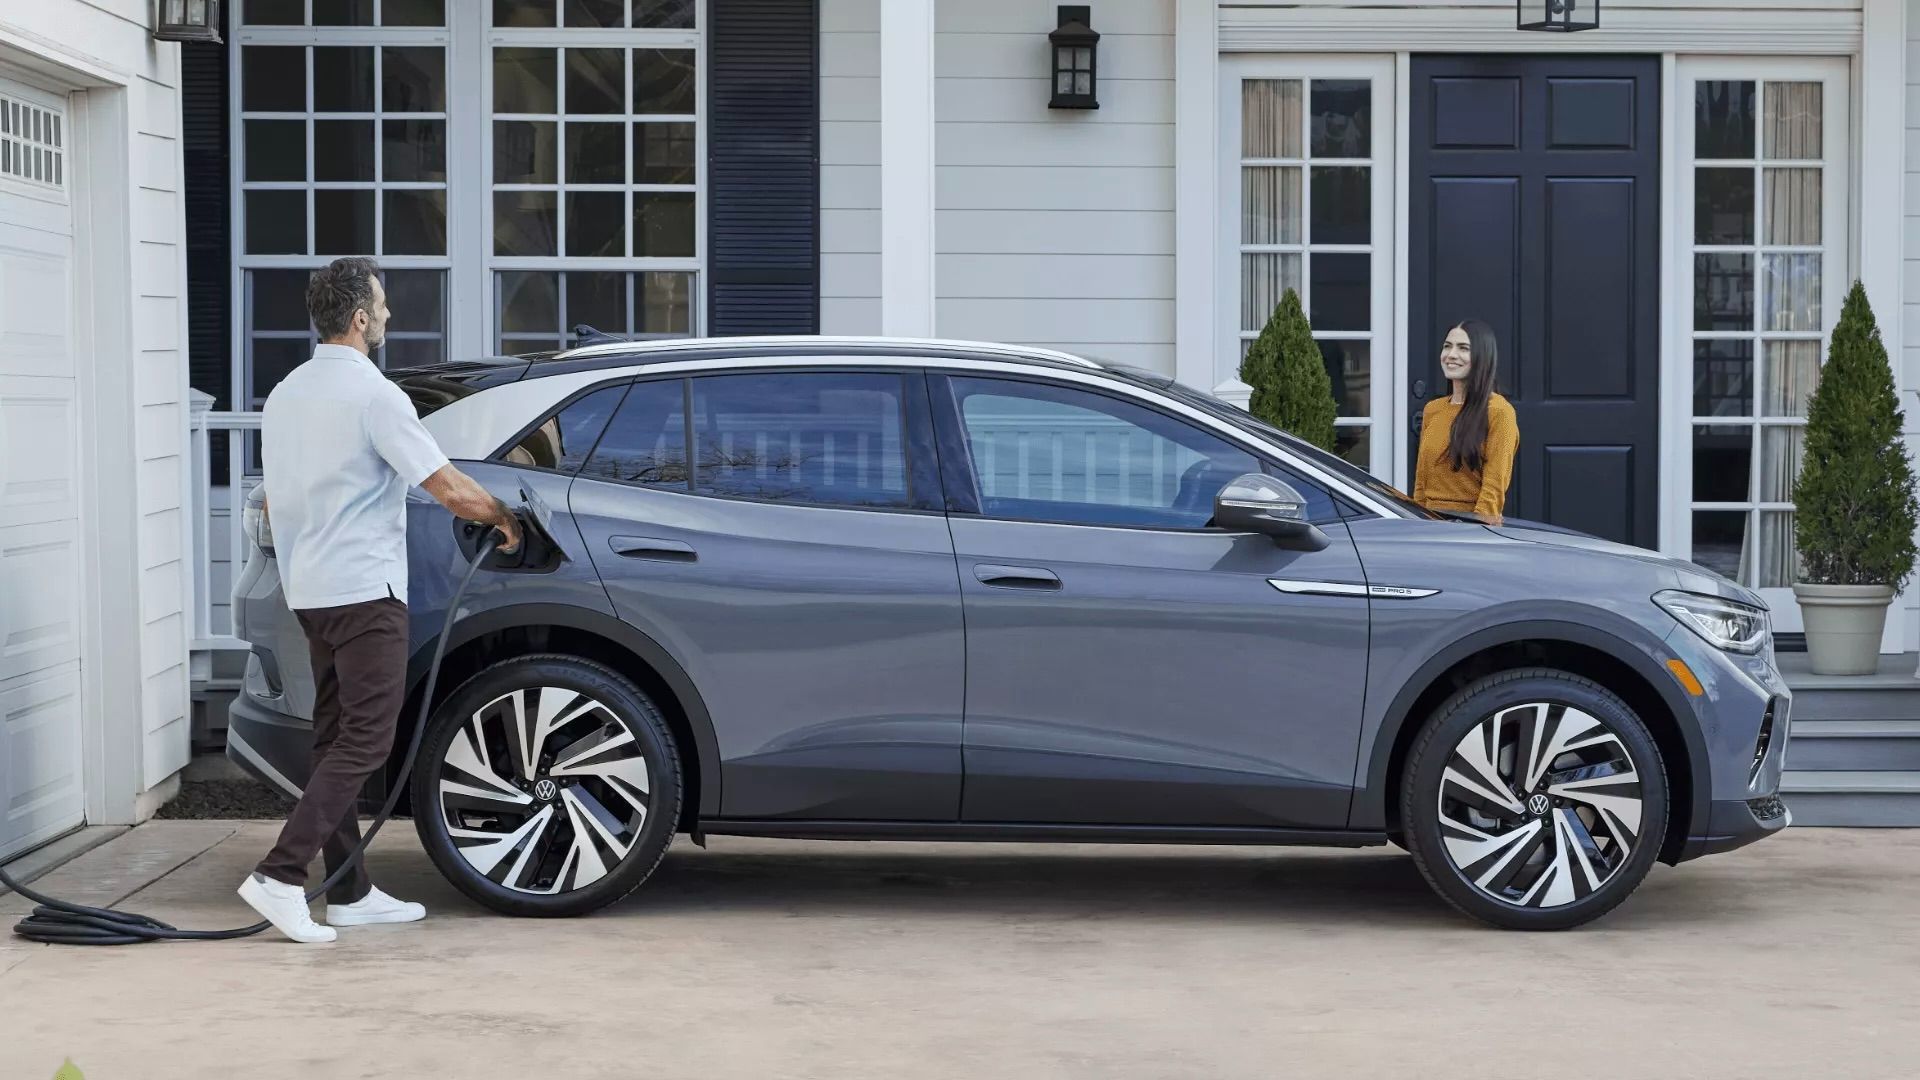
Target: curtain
point(1793, 121)
point(1264, 278)
point(1270, 118)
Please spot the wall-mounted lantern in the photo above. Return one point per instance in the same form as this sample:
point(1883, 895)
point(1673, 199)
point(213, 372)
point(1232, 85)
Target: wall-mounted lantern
point(1075, 47)
point(187, 20)
point(1556, 16)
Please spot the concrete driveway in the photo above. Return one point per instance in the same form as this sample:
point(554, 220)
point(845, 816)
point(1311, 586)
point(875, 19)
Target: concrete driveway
point(1799, 957)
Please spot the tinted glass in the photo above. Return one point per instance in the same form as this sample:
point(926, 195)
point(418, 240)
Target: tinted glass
point(1050, 453)
point(565, 439)
point(802, 437)
point(647, 441)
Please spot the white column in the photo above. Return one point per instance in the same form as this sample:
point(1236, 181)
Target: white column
point(1196, 133)
point(1883, 174)
point(906, 168)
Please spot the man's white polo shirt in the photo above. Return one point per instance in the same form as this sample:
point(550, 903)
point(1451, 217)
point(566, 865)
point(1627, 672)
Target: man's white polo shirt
point(342, 445)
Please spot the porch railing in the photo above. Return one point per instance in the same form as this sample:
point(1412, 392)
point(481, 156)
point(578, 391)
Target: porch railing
point(219, 540)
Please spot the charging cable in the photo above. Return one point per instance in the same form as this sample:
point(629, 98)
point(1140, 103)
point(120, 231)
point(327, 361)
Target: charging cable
point(60, 922)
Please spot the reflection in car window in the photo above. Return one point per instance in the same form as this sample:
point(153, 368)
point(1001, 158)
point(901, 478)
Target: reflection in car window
point(825, 438)
point(647, 441)
point(564, 440)
point(1051, 453)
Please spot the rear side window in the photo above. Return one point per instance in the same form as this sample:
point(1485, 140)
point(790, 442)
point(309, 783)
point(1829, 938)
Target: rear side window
point(563, 440)
point(647, 441)
point(821, 438)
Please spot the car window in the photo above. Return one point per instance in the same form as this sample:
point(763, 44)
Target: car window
point(563, 441)
point(647, 441)
point(1050, 453)
point(818, 437)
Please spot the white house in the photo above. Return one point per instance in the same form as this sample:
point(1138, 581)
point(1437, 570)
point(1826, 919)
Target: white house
point(1660, 216)
point(94, 573)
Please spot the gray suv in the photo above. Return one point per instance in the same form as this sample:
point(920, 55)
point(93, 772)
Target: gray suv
point(883, 589)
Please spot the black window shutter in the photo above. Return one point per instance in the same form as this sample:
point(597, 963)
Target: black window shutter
point(203, 133)
point(763, 167)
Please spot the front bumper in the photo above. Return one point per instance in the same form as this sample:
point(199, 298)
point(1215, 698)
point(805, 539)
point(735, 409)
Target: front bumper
point(1746, 720)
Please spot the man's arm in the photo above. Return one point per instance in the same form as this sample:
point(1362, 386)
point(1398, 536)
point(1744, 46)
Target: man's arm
point(467, 500)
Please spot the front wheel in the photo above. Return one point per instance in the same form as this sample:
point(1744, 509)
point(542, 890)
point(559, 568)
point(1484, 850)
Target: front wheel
point(1534, 800)
point(547, 785)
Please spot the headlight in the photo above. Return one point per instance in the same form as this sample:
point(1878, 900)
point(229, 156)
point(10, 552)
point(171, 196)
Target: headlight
point(259, 529)
point(1724, 624)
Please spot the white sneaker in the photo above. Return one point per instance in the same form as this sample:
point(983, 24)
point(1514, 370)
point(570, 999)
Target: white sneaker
point(285, 906)
point(375, 907)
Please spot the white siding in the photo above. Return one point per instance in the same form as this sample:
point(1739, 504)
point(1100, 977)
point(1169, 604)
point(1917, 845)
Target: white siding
point(849, 166)
point(1910, 306)
point(113, 36)
point(1055, 227)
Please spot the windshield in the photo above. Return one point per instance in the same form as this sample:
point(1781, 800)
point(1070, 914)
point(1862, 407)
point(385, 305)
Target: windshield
point(1332, 463)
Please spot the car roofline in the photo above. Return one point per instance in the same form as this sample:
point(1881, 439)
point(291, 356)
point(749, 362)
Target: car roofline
point(932, 348)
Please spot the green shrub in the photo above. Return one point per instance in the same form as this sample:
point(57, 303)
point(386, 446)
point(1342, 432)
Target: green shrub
point(1854, 501)
point(1291, 390)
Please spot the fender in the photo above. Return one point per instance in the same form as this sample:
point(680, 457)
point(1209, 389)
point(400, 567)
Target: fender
point(649, 651)
point(1370, 800)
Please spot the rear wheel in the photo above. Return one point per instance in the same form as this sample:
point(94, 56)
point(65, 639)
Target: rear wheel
point(1534, 800)
point(547, 785)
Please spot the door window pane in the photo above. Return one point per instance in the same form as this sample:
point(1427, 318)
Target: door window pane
point(1778, 560)
point(1723, 378)
point(1341, 290)
point(812, 437)
point(1342, 205)
point(1781, 449)
point(1342, 118)
point(1265, 278)
point(647, 441)
point(1270, 204)
point(1722, 291)
point(563, 441)
point(1723, 119)
point(1793, 206)
point(1047, 453)
point(1270, 118)
point(1792, 373)
point(1350, 369)
point(1723, 206)
point(1793, 121)
point(1722, 463)
point(1720, 542)
point(1791, 284)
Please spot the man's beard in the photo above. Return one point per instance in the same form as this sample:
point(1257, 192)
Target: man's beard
point(375, 342)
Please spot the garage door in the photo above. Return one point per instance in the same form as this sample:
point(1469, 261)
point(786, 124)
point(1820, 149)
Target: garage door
point(40, 551)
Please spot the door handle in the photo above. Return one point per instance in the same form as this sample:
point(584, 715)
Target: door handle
point(647, 547)
point(1015, 577)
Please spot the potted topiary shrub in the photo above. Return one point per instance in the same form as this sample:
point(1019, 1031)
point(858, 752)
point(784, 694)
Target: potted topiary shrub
point(1291, 390)
point(1854, 501)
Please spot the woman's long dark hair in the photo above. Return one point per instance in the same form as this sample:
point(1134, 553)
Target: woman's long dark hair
point(1467, 445)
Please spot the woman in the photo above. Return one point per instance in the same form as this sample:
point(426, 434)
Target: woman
point(1467, 440)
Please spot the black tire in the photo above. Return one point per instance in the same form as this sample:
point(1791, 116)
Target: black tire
point(1509, 842)
point(617, 704)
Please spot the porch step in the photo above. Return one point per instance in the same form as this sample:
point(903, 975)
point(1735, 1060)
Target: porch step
point(1854, 745)
point(1852, 798)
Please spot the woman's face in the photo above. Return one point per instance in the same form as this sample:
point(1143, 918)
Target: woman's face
point(1456, 355)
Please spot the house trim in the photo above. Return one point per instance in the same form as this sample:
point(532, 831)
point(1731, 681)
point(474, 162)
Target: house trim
point(1485, 27)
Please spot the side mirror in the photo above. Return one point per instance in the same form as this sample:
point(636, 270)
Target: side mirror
point(1267, 505)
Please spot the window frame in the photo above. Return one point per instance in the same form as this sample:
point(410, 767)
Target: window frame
point(1838, 269)
point(961, 479)
point(1386, 365)
point(499, 454)
point(921, 465)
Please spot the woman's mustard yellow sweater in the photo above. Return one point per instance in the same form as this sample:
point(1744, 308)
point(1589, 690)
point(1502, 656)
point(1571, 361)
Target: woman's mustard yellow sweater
point(1437, 486)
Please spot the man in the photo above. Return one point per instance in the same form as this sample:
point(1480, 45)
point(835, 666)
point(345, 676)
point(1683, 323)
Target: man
point(342, 446)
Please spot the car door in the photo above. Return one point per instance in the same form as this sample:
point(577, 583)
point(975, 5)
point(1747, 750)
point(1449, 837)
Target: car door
point(797, 564)
point(1126, 664)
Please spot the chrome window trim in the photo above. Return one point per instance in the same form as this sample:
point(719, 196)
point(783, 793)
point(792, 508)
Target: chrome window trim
point(476, 425)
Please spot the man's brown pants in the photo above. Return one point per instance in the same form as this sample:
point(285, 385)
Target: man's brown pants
point(359, 654)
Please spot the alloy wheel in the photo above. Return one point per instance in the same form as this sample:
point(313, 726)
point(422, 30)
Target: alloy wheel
point(1540, 805)
point(544, 790)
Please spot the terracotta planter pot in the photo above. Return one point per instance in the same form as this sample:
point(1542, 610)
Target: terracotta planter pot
point(1843, 625)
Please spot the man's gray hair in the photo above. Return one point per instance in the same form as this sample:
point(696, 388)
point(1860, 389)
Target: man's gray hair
point(336, 291)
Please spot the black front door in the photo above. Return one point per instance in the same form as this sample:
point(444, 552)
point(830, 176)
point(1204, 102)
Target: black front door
point(1535, 205)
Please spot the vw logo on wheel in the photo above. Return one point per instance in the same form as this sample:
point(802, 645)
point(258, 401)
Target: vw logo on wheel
point(547, 790)
point(1538, 804)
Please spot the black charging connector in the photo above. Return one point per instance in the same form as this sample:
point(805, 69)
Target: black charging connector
point(538, 552)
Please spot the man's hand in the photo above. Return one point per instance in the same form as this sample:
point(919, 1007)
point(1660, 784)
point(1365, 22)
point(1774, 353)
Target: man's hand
point(467, 500)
